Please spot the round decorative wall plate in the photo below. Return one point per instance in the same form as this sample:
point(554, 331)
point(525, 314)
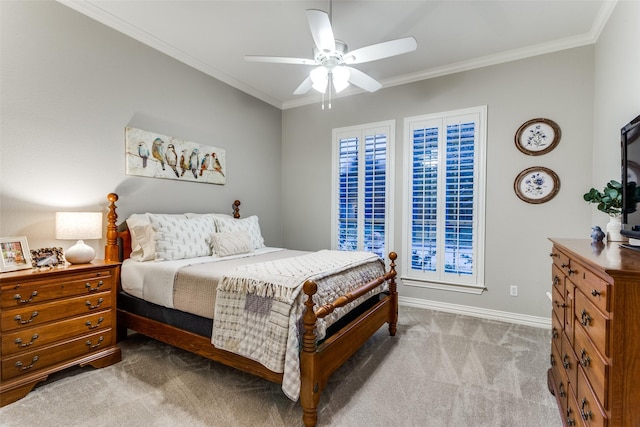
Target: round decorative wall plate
point(537, 136)
point(536, 185)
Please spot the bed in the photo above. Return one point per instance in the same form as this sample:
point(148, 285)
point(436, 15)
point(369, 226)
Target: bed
point(342, 300)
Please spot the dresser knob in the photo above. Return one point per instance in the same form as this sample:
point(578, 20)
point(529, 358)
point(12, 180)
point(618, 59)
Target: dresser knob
point(26, 344)
point(18, 318)
point(19, 299)
point(570, 271)
point(584, 359)
point(595, 293)
point(566, 361)
point(556, 281)
point(561, 391)
point(554, 333)
point(90, 289)
point(585, 318)
point(91, 307)
point(24, 368)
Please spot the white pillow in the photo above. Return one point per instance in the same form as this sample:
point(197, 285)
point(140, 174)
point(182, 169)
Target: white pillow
point(210, 215)
point(142, 236)
point(232, 243)
point(249, 225)
point(179, 238)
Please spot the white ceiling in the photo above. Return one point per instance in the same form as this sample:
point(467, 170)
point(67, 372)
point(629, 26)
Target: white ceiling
point(453, 35)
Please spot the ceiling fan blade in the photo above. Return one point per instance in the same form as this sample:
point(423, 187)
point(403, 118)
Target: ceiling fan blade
point(321, 30)
point(363, 80)
point(279, 60)
point(381, 50)
point(304, 87)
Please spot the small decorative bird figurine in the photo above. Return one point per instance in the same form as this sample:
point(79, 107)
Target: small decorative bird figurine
point(143, 152)
point(216, 164)
point(194, 162)
point(597, 235)
point(158, 151)
point(204, 165)
point(184, 162)
point(172, 158)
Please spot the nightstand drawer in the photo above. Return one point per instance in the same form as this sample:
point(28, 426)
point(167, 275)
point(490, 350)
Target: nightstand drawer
point(29, 292)
point(42, 313)
point(41, 335)
point(595, 324)
point(37, 359)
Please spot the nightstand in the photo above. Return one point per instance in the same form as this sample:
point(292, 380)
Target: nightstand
point(54, 319)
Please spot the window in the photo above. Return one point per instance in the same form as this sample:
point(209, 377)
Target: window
point(443, 224)
point(362, 189)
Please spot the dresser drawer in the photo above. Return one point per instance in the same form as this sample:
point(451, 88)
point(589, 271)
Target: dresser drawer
point(557, 300)
point(560, 259)
point(41, 335)
point(31, 292)
point(595, 324)
point(594, 367)
point(588, 407)
point(557, 279)
point(591, 285)
point(34, 360)
point(24, 317)
point(571, 414)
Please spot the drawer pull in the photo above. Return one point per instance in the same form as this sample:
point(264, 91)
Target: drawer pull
point(556, 280)
point(26, 344)
point(584, 359)
point(553, 255)
point(90, 345)
point(585, 414)
point(566, 361)
point(90, 289)
point(91, 307)
point(570, 271)
point(24, 368)
point(561, 391)
point(564, 265)
point(88, 323)
point(563, 305)
point(18, 318)
point(552, 360)
point(554, 333)
point(19, 299)
point(570, 421)
point(586, 319)
point(595, 293)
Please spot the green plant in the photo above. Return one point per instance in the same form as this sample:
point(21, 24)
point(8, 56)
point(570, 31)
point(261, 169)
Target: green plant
point(609, 200)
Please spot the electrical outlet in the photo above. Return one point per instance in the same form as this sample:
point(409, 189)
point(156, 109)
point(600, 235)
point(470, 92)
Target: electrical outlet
point(513, 291)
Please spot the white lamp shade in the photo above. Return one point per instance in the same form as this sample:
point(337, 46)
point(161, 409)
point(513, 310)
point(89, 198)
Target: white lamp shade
point(79, 226)
point(340, 78)
point(319, 77)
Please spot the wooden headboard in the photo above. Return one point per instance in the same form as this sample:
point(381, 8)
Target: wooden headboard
point(118, 247)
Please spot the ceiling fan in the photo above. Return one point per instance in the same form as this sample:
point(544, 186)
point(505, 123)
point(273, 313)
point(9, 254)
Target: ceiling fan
point(333, 59)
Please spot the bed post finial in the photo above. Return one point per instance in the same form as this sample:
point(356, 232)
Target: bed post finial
point(111, 248)
point(236, 209)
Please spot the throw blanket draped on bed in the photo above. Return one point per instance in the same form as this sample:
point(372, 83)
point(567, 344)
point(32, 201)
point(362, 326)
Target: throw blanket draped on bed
point(259, 306)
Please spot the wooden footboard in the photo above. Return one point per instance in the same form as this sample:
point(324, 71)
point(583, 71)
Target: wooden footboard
point(317, 361)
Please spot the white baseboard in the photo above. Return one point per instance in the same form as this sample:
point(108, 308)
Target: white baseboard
point(484, 313)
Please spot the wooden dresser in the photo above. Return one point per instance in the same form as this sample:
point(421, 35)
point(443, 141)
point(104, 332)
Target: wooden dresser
point(55, 319)
point(595, 349)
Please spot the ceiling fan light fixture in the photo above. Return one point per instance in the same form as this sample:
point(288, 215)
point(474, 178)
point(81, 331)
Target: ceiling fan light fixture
point(319, 78)
point(340, 78)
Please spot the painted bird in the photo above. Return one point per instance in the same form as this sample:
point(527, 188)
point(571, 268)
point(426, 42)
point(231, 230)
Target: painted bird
point(157, 150)
point(184, 162)
point(216, 164)
point(143, 151)
point(172, 158)
point(597, 234)
point(204, 165)
point(194, 162)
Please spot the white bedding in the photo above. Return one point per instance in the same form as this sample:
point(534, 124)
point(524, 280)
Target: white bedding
point(153, 281)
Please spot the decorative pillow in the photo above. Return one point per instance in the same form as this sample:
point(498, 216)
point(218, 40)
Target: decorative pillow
point(210, 215)
point(179, 238)
point(142, 235)
point(232, 243)
point(249, 225)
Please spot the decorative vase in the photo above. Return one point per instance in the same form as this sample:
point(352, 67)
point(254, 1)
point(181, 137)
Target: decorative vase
point(613, 230)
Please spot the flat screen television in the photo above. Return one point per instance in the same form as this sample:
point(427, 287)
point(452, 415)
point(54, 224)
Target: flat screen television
point(630, 142)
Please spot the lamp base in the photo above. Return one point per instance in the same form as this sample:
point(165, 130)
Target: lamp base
point(80, 253)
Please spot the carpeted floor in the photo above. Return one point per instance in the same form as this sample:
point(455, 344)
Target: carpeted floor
point(440, 370)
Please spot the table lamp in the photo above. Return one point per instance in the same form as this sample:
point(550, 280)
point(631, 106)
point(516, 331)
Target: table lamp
point(79, 226)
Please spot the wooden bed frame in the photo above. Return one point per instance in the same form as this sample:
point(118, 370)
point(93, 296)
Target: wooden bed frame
point(317, 361)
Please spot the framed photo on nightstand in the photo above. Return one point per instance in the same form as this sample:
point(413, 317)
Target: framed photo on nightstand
point(14, 253)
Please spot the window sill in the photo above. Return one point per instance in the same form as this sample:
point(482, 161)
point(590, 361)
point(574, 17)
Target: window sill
point(453, 287)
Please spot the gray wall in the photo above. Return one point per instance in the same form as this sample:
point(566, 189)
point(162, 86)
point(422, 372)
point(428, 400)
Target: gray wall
point(70, 86)
point(558, 86)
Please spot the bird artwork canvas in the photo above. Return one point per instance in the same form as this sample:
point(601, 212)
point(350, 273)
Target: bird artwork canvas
point(159, 156)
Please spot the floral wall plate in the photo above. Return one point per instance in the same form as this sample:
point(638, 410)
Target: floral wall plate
point(537, 136)
point(537, 185)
